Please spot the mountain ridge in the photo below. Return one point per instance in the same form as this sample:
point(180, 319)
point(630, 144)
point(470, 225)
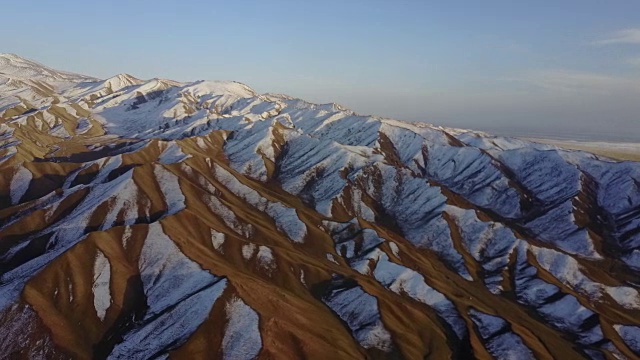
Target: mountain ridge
point(16, 66)
point(156, 218)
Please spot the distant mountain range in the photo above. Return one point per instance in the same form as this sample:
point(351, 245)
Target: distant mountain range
point(146, 219)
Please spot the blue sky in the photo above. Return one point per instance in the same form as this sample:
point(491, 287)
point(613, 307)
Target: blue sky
point(564, 68)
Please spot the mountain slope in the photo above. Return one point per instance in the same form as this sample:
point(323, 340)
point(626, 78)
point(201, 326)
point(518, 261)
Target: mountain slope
point(144, 219)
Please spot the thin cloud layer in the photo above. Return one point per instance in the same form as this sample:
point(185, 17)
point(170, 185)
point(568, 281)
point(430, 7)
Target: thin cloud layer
point(626, 36)
point(634, 61)
point(578, 82)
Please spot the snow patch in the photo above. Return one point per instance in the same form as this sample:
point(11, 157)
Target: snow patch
point(302, 277)
point(360, 311)
point(248, 250)
point(631, 336)
point(170, 188)
point(331, 258)
point(242, 338)
point(567, 270)
point(20, 184)
point(403, 280)
point(172, 154)
point(101, 285)
point(217, 240)
point(266, 259)
point(500, 342)
point(287, 221)
point(394, 249)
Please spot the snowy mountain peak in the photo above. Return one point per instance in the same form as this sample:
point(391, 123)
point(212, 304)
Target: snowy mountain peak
point(20, 68)
point(221, 87)
point(122, 80)
point(11, 57)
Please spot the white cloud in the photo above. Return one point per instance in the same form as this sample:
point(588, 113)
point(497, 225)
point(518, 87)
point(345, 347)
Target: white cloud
point(626, 36)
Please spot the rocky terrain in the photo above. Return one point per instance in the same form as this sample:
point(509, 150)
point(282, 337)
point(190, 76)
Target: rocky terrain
point(158, 219)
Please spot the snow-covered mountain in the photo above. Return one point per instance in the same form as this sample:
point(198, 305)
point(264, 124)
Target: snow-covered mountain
point(154, 219)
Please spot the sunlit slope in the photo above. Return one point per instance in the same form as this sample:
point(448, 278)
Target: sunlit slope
point(146, 219)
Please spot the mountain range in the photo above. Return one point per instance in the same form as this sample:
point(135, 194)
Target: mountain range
point(153, 219)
